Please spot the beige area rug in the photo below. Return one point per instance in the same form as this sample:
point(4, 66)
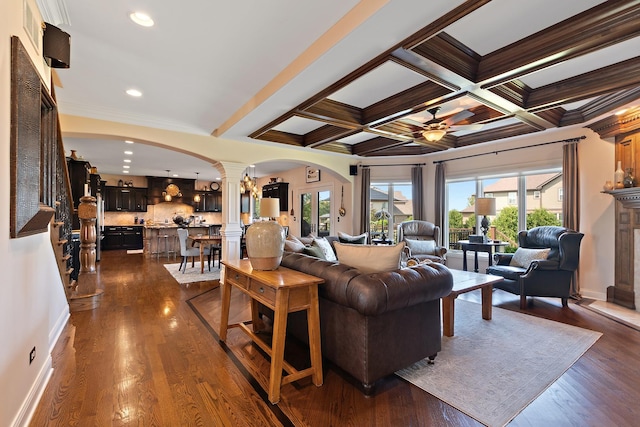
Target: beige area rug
point(492, 369)
point(192, 274)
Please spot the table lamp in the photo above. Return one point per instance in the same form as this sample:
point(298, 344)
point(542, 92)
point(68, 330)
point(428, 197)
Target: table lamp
point(485, 206)
point(265, 239)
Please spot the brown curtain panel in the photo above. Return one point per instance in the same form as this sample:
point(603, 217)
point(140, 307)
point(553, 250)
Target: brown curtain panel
point(571, 198)
point(365, 200)
point(417, 192)
point(439, 196)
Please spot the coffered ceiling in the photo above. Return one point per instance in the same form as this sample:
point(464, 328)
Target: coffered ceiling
point(351, 77)
point(489, 78)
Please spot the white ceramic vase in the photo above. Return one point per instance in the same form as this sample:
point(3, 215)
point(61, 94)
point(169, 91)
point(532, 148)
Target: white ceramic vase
point(265, 245)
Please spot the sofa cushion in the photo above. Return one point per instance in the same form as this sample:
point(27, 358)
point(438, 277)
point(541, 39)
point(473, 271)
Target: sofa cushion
point(314, 251)
point(370, 258)
point(307, 240)
point(326, 248)
point(360, 239)
point(507, 271)
point(421, 246)
point(523, 256)
point(293, 244)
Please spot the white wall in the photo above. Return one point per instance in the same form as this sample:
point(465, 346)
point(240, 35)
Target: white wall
point(33, 307)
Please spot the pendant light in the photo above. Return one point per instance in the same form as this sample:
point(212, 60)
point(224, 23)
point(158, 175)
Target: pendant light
point(196, 198)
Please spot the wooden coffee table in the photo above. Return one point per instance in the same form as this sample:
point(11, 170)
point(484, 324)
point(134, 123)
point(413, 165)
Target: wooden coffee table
point(467, 281)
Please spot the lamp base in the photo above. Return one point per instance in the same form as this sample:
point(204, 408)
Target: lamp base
point(265, 245)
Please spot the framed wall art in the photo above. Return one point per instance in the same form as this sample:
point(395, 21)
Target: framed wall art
point(313, 174)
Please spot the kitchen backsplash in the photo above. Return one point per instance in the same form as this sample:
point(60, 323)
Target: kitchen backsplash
point(159, 214)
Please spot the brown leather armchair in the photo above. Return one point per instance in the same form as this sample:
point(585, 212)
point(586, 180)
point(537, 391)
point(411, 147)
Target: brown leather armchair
point(422, 239)
point(550, 277)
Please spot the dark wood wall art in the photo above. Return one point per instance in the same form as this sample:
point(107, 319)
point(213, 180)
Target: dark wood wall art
point(33, 131)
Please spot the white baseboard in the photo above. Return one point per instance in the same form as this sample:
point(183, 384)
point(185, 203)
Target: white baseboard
point(600, 296)
point(27, 409)
point(56, 330)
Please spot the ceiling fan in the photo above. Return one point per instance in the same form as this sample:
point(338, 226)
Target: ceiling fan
point(435, 129)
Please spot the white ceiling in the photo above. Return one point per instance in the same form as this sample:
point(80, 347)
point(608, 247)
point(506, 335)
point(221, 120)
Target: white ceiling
point(204, 60)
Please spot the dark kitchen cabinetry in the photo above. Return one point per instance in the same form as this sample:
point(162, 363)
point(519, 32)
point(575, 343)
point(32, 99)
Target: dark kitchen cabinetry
point(122, 237)
point(278, 190)
point(125, 199)
point(210, 201)
point(157, 186)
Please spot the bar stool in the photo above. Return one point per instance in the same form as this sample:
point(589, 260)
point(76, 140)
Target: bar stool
point(165, 238)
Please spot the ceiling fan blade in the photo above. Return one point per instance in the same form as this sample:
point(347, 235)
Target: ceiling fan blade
point(476, 126)
point(412, 122)
point(458, 117)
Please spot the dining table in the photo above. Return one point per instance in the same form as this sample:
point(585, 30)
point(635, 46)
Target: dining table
point(204, 241)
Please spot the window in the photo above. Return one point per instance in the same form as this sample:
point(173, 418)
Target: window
point(523, 201)
point(390, 204)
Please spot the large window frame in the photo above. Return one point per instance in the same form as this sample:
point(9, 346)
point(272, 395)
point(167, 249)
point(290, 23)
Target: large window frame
point(390, 225)
point(520, 196)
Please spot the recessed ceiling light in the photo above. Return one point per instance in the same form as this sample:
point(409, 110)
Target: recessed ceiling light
point(127, 160)
point(175, 175)
point(125, 171)
point(128, 153)
point(126, 166)
point(128, 142)
point(134, 92)
point(142, 19)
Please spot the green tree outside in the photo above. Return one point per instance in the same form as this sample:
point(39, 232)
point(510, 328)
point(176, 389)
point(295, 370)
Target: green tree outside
point(455, 219)
point(541, 217)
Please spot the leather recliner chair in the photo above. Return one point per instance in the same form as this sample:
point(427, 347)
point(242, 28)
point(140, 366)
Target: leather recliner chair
point(550, 277)
point(422, 239)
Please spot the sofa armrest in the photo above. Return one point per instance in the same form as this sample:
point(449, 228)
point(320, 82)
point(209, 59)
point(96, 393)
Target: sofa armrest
point(377, 293)
point(440, 251)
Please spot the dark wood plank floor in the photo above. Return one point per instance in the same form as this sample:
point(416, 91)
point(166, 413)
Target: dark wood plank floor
point(149, 356)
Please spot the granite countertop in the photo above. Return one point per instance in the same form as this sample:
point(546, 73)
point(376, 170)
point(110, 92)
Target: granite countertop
point(171, 225)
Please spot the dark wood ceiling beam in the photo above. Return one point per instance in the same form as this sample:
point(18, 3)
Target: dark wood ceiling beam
point(604, 25)
point(329, 109)
point(602, 105)
point(266, 128)
point(326, 134)
point(407, 101)
point(375, 145)
point(451, 54)
point(495, 134)
point(622, 75)
point(442, 22)
point(514, 91)
point(336, 147)
point(431, 76)
point(281, 137)
point(406, 150)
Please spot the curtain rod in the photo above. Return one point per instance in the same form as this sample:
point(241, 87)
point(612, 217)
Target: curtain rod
point(511, 149)
point(396, 164)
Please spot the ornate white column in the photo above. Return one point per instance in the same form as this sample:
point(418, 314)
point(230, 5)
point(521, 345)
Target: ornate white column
point(231, 226)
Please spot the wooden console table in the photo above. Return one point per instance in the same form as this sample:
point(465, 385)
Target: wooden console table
point(284, 291)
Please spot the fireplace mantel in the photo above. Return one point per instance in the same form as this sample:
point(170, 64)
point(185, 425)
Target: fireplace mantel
point(629, 197)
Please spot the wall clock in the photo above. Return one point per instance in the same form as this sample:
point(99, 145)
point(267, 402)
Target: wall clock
point(214, 186)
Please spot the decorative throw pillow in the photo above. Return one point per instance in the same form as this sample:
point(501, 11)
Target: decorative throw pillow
point(426, 247)
point(314, 251)
point(360, 239)
point(308, 240)
point(370, 258)
point(292, 244)
point(523, 256)
point(326, 248)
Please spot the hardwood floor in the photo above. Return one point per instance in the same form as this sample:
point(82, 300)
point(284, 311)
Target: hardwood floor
point(149, 355)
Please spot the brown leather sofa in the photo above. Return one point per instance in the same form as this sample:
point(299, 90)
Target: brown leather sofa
point(373, 324)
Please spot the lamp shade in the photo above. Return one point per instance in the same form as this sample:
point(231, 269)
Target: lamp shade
point(269, 207)
point(485, 206)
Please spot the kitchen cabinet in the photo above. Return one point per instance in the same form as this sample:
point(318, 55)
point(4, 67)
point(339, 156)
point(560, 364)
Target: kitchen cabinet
point(210, 201)
point(122, 237)
point(125, 199)
point(278, 190)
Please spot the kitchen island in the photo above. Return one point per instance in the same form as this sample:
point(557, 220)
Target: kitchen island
point(152, 231)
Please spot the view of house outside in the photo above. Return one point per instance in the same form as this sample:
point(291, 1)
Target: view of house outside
point(541, 204)
point(390, 204)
